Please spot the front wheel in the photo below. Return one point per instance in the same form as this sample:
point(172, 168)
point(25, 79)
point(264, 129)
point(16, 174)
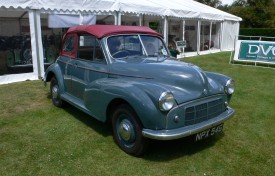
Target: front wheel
point(128, 131)
point(55, 93)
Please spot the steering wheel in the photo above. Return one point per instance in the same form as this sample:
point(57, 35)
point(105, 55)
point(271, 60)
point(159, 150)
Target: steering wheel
point(121, 54)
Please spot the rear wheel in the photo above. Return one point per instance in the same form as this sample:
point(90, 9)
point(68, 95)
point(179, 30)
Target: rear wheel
point(128, 131)
point(55, 93)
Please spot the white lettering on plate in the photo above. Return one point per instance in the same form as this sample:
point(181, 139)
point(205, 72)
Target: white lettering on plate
point(210, 132)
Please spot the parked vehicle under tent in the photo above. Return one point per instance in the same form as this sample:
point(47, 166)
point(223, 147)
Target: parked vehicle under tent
point(30, 32)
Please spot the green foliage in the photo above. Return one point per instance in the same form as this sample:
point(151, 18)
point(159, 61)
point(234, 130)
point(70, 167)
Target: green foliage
point(37, 138)
point(241, 3)
point(252, 3)
point(257, 32)
point(212, 3)
point(260, 3)
point(255, 17)
point(154, 25)
point(255, 13)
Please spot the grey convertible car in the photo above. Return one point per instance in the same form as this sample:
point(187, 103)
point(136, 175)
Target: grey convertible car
point(125, 75)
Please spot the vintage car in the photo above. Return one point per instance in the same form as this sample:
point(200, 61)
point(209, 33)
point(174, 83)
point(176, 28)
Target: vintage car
point(125, 75)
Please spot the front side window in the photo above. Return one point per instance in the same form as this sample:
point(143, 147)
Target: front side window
point(89, 48)
point(68, 46)
point(124, 46)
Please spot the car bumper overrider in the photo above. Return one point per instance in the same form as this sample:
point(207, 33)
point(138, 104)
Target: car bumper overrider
point(188, 130)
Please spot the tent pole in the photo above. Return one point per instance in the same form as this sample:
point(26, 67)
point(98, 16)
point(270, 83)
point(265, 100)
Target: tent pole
point(39, 43)
point(36, 43)
point(140, 20)
point(119, 18)
point(165, 31)
point(210, 36)
point(183, 37)
point(198, 36)
point(221, 36)
point(115, 18)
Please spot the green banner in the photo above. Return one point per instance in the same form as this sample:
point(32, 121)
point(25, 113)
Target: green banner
point(257, 51)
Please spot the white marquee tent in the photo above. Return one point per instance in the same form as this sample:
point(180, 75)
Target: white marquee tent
point(178, 19)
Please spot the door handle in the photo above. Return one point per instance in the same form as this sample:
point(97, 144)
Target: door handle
point(75, 65)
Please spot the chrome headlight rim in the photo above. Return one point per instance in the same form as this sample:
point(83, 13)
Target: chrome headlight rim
point(166, 101)
point(230, 87)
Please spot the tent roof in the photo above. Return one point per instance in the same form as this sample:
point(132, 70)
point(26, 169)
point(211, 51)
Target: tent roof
point(194, 9)
point(106, 30)
point(187, 9)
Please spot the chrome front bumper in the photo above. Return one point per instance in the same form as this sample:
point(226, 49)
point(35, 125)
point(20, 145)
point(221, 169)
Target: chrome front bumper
point(188, 130)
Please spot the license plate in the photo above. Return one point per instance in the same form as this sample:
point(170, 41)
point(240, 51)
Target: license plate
point(209, 132)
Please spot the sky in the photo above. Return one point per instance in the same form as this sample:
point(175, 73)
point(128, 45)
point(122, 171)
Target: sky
point(227, 2)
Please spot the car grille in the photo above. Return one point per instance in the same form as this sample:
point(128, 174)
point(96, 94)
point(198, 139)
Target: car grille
point(202, 112)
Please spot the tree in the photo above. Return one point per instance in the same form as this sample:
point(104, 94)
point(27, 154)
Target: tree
point(255, 13)
point(239, 3)
point(261, 2)
point(212, 3)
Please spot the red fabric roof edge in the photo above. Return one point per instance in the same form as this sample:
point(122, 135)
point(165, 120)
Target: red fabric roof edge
point(106, 30)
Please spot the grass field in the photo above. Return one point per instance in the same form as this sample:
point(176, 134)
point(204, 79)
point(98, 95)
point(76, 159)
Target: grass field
point(37, 138)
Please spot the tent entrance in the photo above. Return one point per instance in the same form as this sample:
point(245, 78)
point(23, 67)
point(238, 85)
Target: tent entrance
point(15, 43)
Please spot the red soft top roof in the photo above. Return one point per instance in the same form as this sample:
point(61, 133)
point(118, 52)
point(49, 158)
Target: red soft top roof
point(106, 30)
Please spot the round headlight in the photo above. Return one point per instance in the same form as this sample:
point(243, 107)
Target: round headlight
point(166, 101)
point(230, 86)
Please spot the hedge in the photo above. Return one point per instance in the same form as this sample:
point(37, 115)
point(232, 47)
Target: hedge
point(267, 32)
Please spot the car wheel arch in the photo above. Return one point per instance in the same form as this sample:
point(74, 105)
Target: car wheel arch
point(49, 76)
point(56, 72)
point(115, 103)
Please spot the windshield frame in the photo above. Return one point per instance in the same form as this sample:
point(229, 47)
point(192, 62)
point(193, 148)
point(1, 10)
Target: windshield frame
point(144, 53)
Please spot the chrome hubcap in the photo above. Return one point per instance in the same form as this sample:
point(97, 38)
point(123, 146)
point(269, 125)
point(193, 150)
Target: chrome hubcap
point(55, 91)
point(126, 130)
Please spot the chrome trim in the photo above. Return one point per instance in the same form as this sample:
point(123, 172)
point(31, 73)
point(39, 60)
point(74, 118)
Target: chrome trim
point(141, 41)
point(230, 81)
point(55, 91)
point(126, 130)
point(199, 100)
point(164, 96)
point(188, 130)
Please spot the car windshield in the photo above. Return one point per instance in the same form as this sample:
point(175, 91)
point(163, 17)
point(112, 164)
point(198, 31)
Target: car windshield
point(126, 46)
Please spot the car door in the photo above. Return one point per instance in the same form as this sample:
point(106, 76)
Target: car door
point(67, 59)
point(90, 64)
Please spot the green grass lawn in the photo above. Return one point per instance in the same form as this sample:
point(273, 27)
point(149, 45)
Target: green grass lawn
point(37, 138)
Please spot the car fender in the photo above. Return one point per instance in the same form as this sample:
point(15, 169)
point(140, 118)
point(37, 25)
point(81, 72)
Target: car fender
point(219, 79)
point(54, 70)
point(141, 96)
point(222, 79)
